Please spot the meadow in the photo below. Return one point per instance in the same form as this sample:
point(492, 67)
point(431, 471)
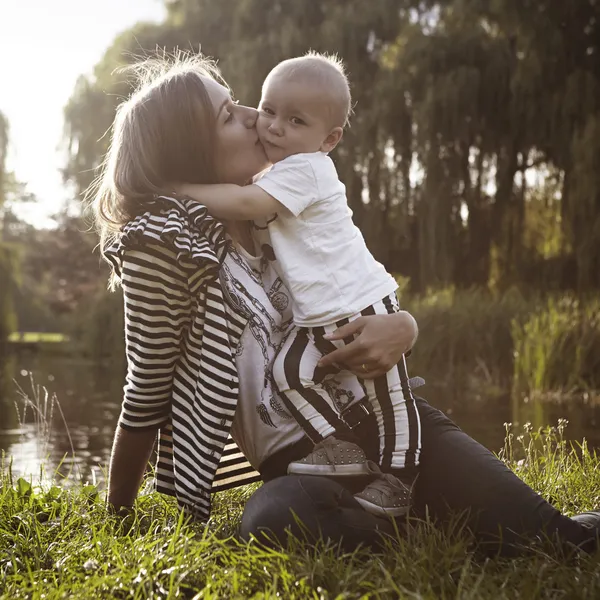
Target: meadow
point(64, 543)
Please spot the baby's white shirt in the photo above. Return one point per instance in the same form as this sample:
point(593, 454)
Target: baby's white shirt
point(320, 254)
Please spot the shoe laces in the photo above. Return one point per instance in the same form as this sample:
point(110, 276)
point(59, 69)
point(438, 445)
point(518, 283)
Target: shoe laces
point(384, 481)
point(327, 445)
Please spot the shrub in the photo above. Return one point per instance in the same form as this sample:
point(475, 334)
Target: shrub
point(558, 347)
point(465, 336)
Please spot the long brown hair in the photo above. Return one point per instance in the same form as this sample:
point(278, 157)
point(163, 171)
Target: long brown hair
point(164, 132)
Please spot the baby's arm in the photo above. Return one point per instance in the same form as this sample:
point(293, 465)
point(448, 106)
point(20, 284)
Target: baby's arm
point(230, 201)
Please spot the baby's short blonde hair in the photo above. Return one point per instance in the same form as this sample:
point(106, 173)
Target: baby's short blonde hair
point(327, 72)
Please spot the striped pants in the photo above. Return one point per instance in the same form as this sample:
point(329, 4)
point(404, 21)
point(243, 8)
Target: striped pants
point(303, 388)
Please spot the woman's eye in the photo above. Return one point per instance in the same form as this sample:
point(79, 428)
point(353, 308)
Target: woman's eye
point(229, 117)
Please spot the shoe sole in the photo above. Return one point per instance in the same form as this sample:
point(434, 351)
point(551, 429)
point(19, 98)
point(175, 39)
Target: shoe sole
point(338, 470)
point(382, 511)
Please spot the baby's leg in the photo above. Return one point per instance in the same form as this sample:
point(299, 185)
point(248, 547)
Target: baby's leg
point(397, 418)
point(394, 406)
point(294, 376)
point(300, 384)
point(389, 396)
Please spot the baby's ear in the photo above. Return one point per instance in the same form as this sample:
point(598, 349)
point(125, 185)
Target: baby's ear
point(332, 140)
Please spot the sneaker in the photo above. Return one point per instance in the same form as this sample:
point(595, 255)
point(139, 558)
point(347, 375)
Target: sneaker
point(591, 521)
point(386, 496)
point(332, 457)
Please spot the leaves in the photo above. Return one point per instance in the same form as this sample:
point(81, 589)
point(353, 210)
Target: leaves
point(452, 99)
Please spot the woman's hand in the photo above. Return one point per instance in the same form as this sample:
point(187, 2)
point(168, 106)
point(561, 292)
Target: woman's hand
point(380, 341)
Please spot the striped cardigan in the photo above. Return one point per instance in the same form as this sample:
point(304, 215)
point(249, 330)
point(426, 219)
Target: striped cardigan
point(181, 338)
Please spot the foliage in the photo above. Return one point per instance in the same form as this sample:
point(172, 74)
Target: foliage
point(468, 339)
point(465, 336)
point(59, 272)
point(7, 256)
point(98, 330)
point(458, 104)
point(558, 347)
point(65, 543)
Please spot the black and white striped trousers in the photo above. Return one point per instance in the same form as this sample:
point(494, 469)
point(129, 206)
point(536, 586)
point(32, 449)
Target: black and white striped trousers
point(300, 384)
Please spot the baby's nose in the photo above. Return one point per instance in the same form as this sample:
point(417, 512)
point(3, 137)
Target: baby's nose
point(275, 127)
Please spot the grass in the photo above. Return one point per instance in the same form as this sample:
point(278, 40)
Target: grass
point(59, 543)
point(465, 337)
point(37, 337)
point(558, 347)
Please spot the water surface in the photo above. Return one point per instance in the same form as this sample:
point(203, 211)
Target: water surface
point(72, 435)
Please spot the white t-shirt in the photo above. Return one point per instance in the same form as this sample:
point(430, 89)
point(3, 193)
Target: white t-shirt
point(320, 254)
point(262, 425)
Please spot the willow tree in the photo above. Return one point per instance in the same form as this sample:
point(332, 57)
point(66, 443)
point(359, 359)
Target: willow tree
point(557, 86)
point(455, 101)
point(7, 315)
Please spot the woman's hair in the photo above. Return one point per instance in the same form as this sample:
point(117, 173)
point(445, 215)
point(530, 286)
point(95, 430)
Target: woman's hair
point(164, 133)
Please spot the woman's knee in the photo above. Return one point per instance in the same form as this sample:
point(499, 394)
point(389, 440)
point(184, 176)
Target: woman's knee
point(282, 504)
point(310, 509)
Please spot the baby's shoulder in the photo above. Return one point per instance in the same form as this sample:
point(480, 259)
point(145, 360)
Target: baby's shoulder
point(318, 163)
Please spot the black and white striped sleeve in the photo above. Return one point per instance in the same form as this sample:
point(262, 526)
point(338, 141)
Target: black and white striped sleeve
point(157, 311)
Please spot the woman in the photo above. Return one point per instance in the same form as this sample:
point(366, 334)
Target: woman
point(204, 315)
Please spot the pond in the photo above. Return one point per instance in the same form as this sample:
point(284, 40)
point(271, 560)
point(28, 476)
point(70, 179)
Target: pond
point(77, 405)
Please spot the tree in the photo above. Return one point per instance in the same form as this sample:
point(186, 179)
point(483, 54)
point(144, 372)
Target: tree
point(458, 102)
point(7, 266)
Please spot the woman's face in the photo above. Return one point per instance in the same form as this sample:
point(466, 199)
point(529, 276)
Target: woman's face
point(239, 153)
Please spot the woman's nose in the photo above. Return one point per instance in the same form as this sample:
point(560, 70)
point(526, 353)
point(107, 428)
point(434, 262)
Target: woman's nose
point(249, 117)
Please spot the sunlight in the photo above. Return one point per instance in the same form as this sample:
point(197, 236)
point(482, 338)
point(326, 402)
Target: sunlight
point(45, 47)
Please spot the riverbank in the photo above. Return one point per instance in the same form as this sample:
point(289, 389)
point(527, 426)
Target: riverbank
point(472, 340)
point(56, 543)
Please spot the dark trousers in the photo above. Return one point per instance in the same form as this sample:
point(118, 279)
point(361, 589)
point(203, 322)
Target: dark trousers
point(457, 475)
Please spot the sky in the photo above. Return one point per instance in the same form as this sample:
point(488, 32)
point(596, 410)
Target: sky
point(44, 46)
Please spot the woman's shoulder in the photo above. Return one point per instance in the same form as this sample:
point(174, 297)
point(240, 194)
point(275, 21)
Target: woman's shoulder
point(171, 229)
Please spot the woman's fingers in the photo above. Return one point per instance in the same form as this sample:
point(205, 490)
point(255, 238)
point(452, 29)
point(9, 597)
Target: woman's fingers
point(362, 359)
point(380, 341)
point(346, 331)
point(368, 372)
point(342, 356)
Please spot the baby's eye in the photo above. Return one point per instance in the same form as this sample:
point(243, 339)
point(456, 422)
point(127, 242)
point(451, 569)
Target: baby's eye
point(297, 121)
point(267, 111)
point(229, 117)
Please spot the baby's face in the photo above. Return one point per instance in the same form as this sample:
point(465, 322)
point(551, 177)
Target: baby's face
point(293, 118)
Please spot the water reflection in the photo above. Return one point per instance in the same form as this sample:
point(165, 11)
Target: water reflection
point(59, 413)
point(73, 440)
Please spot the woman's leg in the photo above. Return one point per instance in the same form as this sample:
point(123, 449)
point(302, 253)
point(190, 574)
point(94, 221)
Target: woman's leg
point(324, 508)
point(458, 475)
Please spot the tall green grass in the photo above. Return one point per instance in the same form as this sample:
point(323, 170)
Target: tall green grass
point(57, 543)
point(468, 339)
point(558, 347)
point(465, 337)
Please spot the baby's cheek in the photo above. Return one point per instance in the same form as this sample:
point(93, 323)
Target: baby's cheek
point(261, 125)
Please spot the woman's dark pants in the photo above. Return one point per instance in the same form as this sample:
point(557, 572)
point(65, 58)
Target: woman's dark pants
point(456, 476)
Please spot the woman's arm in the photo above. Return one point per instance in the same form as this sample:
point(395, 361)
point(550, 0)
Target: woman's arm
point(157, 309)
point(380, 342)
point(130, 455)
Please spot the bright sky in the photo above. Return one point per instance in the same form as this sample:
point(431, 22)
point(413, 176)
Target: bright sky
point(44, 46)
